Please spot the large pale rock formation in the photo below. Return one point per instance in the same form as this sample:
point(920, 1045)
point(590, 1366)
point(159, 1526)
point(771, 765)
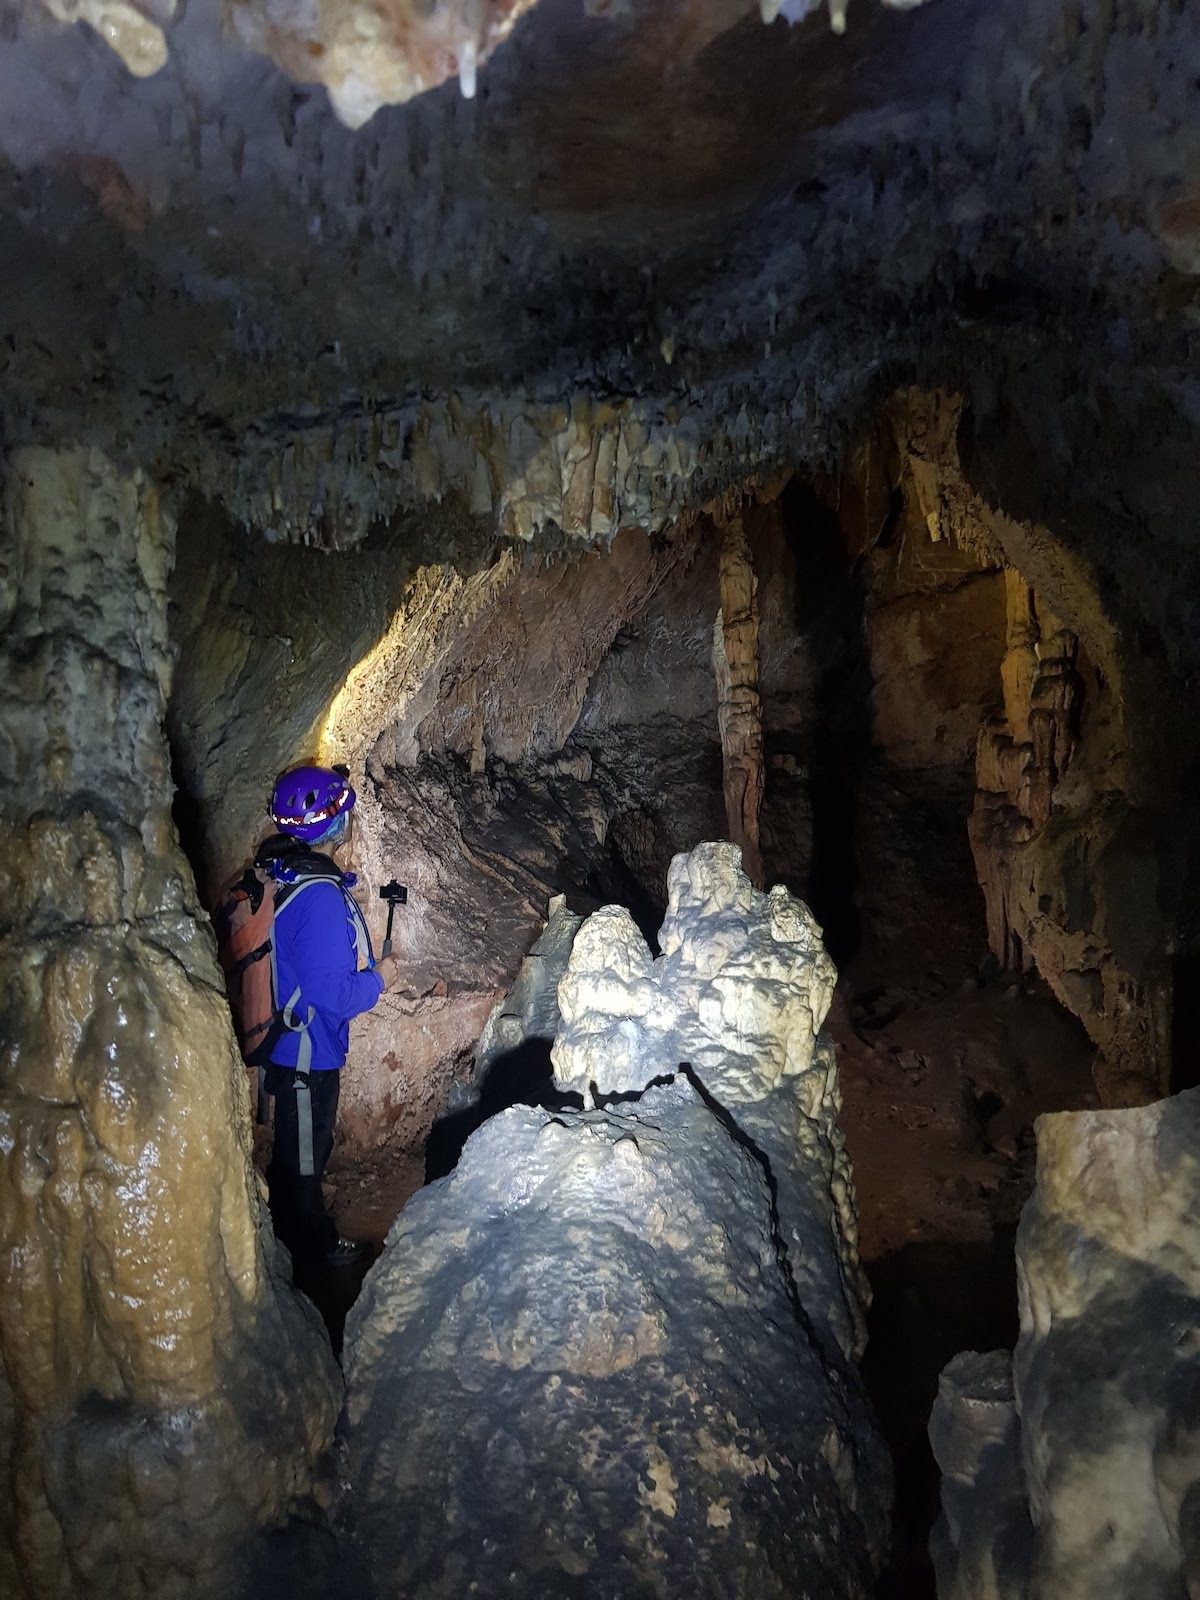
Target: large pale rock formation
point(1082, 1480)
point(161, 1390)
point(579, 1369)
point(738, 997)
point(739, 993)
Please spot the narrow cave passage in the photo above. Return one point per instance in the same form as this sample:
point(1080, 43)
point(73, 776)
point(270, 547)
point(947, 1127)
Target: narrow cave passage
point(561, 738)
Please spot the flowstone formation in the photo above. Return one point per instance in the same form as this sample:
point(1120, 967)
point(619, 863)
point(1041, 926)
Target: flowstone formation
point(162, 1392)
point(598, 1360)
point(1081, 826)
point(1064, 864)
point(1076, 1476)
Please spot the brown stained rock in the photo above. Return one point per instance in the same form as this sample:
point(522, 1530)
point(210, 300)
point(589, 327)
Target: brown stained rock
point(404, 1058)
point(165, 1392)
point(739, 707)
point(1053, 899)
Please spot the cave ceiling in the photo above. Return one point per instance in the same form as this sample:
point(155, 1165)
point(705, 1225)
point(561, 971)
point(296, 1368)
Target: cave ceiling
point(736, 227)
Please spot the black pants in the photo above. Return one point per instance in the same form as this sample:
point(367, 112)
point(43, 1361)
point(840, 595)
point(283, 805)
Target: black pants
point(297, 1204)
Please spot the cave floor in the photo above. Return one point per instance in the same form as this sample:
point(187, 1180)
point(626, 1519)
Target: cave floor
point(943, 1072)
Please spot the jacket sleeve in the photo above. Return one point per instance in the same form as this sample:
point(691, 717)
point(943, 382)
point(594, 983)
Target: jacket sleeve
point(325, 958)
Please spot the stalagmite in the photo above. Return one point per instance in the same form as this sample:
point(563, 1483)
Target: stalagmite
point(612, 1354)
point(1019, 667)
point(739, 708)
point(161, 1391)
point(1080, 1479)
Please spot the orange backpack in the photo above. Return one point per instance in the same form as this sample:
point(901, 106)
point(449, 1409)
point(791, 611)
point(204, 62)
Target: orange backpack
point(245, 925)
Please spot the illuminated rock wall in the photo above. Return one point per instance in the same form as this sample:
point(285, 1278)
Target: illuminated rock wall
point(161, 1390)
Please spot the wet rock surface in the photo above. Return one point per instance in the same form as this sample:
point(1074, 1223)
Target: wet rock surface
point(580, 1361)
point(162, 1392)
point(1087, 1485)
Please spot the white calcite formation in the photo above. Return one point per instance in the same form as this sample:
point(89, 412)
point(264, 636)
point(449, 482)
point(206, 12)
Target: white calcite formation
point(366, 54)
point(612, 1352)
point(739, 993)
point(1082, 1482)
point(737, 999)
point(376, 53)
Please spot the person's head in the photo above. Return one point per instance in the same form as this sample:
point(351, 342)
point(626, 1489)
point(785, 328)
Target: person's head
point(313, 804)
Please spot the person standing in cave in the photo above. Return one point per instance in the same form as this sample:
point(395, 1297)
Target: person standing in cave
point(325, 973)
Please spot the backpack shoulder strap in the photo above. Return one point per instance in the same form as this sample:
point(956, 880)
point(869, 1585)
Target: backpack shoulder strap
point(362, 934)
point(286, 893)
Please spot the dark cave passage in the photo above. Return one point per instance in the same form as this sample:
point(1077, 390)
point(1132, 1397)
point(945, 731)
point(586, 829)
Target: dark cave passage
point(881, 660)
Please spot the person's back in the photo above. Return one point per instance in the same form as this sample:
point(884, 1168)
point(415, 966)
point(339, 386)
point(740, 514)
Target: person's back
point(319, 937)
point(325, 974)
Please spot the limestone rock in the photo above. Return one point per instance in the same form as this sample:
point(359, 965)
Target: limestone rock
point(739, 704)
point(134, 32)
point(162, 1391)
point(1106, 1376)
point(976, 1443)
point(529, 1014)
point(738, 996)
point(375, 54)
point(739, 992)
point(579, 1361)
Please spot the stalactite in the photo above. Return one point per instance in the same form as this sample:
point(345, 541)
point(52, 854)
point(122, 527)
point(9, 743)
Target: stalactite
point(739, 707)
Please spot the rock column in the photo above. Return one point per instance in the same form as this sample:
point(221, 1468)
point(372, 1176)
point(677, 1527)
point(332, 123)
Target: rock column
point(739, 707)
point(1076, 1474)
point(161, 1390)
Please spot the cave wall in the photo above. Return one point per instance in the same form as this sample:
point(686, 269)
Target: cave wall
point(1084, 833)
point(550, 723)
point(545, 722)
point(162, 1392)
point(523, 723)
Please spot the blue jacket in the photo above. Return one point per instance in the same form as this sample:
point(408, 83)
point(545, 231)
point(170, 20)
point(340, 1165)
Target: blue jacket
point(315, 952)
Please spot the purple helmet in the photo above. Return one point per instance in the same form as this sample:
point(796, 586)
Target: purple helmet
point(308, 801)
